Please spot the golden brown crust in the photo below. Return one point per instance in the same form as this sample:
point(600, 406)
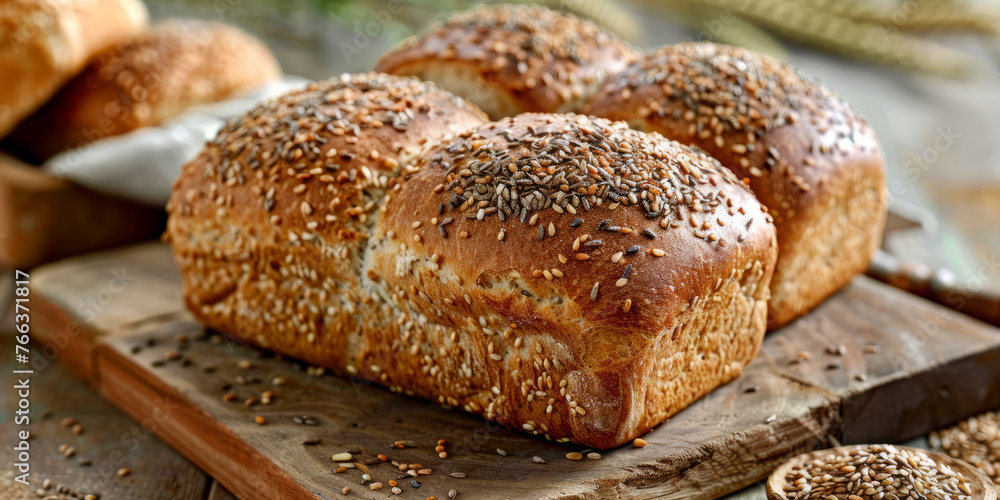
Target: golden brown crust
point(144, 80)
point(47, 42)
point(586, 265)
point(809, 158)
point(331, 272)
point(511, 59)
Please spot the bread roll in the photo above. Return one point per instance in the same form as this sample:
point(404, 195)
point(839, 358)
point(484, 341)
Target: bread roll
point(443, 284)
point(142, 81)
point(47, 42)
point(814, 162)
point(511, 59)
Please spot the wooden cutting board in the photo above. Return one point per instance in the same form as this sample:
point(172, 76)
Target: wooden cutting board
point(932, 367)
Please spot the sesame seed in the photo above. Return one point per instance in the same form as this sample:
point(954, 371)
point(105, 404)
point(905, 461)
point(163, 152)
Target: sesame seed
point(500, 235)
point(657, 252)
point(621, 282)
point(415, 224)
point(593, 291)
point(582, 256)
point(627, 306)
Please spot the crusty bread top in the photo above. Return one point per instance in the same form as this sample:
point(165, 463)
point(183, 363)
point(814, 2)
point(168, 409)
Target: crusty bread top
point(760, 117)
point(46, 42)
point(146, 79)
point(313, 160)
point(180, 63)
point(606, 229)
point(544, 57)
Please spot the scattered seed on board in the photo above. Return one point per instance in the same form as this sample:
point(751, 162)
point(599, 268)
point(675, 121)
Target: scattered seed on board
point(452, 493)
point(594, 455)
point(124, 471)
point(538, 460)
point(345, 491)
point(770, 419)
point(638, 442)
point(575, 455)
point(457, 475)
point(839, 350)
point(341, 457)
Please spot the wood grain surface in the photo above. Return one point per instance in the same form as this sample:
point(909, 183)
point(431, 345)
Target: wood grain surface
point(793, 398)
point(109, 442)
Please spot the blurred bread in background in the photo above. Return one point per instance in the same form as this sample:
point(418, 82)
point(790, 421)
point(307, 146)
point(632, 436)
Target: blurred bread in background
point(512, 59)
point(144, 80)
point(47, 42)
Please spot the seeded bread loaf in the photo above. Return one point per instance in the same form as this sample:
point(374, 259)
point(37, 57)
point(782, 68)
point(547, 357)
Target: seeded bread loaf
point(143, 80)
point(47, 42)
point(557, 274)
point(810, 159)
point(511, 59)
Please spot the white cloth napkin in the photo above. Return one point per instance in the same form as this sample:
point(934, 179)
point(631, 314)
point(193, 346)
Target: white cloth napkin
point(142, 165)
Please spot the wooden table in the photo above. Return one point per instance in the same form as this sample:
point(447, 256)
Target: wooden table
point(804, 397)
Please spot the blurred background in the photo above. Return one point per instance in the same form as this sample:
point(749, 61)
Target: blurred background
point(925, 72)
